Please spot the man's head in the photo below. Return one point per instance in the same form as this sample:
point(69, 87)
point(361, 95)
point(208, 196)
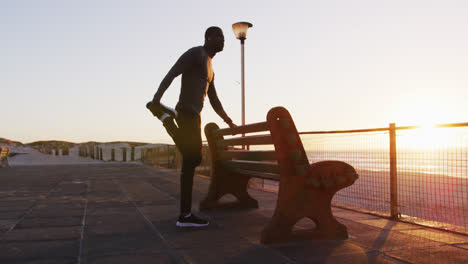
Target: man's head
point(214, 39)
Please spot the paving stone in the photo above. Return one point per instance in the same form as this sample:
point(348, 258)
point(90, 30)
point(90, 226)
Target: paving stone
point(61, 204)
point(324, 249)
point(50, 233)
point(112, 204)
point(28, 198)
point(386, 224)
point(51, 212)
point(7, 223)
point(143, 242)
point(329, 251)
point(384, 240)
point(9, 206)
point(237, 223)
point(241, 254)
point(37, 250)
point(348, 214)
point(139, 190)
point(431, 255)
point(11, 215)
point(367, 258)
point(161, 258)
point(50, 261)
point(117, 223)
point(104, 198)
point(71, 188)
point(171, 202)
point(120, 218)
point(169, 230)
point(110, 212)
point(438, 236)
point(161, 212)
point(63, 221)
point(168, 187)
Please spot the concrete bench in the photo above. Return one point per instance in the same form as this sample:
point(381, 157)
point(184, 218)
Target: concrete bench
point(4, 152)
point(305, 190)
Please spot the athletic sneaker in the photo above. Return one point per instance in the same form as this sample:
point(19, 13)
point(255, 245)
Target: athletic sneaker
point(191, 220)
point(161, 111)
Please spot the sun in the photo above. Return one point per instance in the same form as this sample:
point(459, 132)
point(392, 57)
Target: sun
point(427, 137)
point(426, 115)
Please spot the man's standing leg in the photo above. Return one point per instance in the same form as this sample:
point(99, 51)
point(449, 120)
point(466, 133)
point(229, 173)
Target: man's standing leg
point(190, 145)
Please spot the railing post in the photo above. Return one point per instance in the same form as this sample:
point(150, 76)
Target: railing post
point(393, 174)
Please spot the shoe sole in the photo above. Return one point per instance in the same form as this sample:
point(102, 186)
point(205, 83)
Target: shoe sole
point(169, 111)
point(165, 111)
point(179, 224)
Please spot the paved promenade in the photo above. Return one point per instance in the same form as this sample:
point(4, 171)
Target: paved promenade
point(126, 213)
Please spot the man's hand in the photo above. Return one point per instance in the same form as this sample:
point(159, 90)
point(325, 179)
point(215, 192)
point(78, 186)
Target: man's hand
point(154, 107)
point(231, 125)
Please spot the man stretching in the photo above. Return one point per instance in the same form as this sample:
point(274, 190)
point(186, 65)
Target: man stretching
point(197, 82)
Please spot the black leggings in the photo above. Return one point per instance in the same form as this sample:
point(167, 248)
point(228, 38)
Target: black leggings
point(187, 138)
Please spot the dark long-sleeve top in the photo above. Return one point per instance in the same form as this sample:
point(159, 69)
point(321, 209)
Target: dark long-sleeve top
point(197, 82)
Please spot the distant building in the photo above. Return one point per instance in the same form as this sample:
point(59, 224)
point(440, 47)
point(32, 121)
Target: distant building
point(139, 151)
point(113, 151)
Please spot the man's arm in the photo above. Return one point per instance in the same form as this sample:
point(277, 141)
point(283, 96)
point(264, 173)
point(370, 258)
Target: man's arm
point(217, 106)
point(184, 62)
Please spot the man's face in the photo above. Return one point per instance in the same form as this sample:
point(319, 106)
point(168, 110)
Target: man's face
point(216, 40)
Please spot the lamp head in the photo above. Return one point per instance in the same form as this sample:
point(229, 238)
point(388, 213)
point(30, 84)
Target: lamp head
point(240, 29)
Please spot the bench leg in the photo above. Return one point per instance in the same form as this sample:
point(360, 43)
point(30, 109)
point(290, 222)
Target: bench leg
point(224, 183)
point(244, 198)
point(327, 226)
point(315, 207)
point(210, 201)
point(278, 229)
point(215, 192)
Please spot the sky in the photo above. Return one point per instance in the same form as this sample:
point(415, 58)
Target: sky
point(84, 70)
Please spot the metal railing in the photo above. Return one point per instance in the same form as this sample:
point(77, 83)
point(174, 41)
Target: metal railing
point(416, 174)
point(410, 173)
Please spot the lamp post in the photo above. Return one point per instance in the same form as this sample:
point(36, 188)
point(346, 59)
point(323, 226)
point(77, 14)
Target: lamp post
point(240, 30)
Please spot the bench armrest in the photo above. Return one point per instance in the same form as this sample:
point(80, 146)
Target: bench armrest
point(331, 175)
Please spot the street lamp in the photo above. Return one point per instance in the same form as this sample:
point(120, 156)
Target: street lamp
point(240, 30)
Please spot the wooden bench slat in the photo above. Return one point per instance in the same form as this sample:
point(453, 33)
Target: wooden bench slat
point(263, 166)
point(248, 155)
point(263, 175)
point(250, 128)
point(249, 140)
